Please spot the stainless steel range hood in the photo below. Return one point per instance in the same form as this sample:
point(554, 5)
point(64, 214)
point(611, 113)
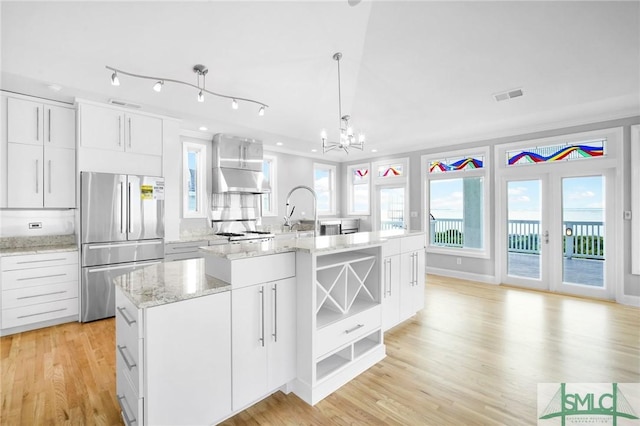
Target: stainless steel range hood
point(237, 165)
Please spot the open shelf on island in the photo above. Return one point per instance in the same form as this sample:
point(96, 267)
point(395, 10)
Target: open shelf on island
point(367, 343)
point(333, 363)
point(328, 316)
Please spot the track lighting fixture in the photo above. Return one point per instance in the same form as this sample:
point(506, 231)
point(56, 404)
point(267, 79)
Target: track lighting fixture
point(201, 72)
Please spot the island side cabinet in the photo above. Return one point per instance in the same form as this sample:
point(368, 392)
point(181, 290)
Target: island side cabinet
point(174, 360)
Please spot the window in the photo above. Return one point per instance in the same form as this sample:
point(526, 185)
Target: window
point(558, 152)
point(324, 183)
point(193, 180)
point(359, 178)
point(457, 189)
point(391, 188)
point(270, 199)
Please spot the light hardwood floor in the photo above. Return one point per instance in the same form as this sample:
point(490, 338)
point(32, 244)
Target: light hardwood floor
point(474, 355)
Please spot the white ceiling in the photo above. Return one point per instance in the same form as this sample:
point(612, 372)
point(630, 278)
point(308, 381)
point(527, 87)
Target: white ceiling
point(415, 74)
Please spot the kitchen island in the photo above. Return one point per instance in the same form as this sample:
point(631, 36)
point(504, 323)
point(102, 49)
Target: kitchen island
point(302, 315)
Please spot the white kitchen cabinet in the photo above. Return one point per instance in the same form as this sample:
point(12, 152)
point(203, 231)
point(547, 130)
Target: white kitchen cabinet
point(116, 130)
point(36, 123)
point(412, 269)
point(390, 283)
point(38, 290)
point(263, 339)
point(39, 178)
point(169, 370)
point(40, 155)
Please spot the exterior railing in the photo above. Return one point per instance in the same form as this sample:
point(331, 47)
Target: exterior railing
point(391, 224)
point(586, 239)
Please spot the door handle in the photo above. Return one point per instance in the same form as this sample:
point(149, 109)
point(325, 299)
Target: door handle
point(129, 207)
point(37, 177)
point(121, 188)
point(261, 339)
point(275, 312)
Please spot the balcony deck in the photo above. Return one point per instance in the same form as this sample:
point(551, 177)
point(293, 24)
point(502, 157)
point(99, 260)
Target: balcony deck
point(583, 271)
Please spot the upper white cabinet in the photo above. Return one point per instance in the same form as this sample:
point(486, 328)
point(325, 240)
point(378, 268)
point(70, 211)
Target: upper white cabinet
point(36, 123)
point(40, 154)
point(116, 130)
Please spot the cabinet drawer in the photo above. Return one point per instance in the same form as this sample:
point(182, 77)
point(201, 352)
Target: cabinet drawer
point(391, 247)
point(128, 366)
point(130, 404)
point(39, 294)
point(128, 320)
point(22, 278)
point(14, 317)
point(39, 260)
point(344, 331)
point(413, 243)
point(128, 344)
point(179, 248)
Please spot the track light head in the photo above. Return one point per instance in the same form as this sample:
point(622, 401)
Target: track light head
point(261, 111)
point(115, 81)
point(158, 86)
point(200, 96)
point(234, 104)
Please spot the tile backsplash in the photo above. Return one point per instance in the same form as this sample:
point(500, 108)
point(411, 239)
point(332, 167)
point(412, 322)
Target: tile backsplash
point(15, 223)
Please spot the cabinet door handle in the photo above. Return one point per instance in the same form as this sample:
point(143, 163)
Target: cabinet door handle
point(125, 416)
point(41, 295)
point(37, 176)
point(129, 132)
point(351, 330)
point(119, 130)
point(49, 177)
point(275, 312)
point(38, 123)
point(125, 314)
point(261, 339)
point(42, 313)
point(49, 125)
point(41, 276)
point(124, 357)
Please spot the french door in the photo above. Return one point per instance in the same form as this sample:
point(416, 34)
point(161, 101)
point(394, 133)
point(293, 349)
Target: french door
point(556, 230)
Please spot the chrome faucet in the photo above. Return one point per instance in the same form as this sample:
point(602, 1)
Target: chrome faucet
point(315, 207)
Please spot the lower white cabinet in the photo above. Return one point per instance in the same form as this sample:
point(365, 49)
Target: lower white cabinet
point(403, 279)
point(174, 360)
point(38, 290)
point(263, 339)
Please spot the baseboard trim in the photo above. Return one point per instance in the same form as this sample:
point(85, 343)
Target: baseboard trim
point(629, 300)
point(487, 279)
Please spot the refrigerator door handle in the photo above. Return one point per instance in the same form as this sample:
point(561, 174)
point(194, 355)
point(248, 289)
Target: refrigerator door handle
point(129, 207)
point(121, 189)
point(113, 268)
point(139, 243)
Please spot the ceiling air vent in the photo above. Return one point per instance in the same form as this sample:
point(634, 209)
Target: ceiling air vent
point(126, 104)
point(503, 96)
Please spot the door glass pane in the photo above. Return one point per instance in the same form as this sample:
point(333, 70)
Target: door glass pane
point(583, 228)
point(524, 215)
point(391, 208)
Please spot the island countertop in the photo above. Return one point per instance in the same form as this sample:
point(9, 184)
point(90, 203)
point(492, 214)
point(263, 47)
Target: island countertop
point(327, 243)
point(169, 282)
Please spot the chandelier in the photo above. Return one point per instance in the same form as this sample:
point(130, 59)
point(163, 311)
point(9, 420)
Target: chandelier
point(201, 72)
point(348, 139)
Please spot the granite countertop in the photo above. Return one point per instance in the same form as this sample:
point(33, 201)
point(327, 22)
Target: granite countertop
point(15, 246)
point(169, 282)
point(327, 243)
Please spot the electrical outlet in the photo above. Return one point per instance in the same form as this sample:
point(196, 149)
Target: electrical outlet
point(459, 260)
point(35, 225)
point(627, 215)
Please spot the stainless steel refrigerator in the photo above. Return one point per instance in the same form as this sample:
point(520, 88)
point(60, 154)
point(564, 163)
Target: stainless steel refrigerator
point(122, 228)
